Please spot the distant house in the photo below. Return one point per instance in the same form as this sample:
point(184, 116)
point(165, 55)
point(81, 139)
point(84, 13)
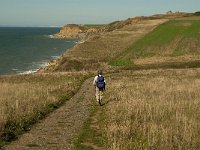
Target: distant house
point(169, 12)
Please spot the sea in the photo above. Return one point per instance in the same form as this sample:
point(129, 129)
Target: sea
point(24, 50)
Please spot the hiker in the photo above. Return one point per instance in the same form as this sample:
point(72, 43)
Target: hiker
point(99, 85)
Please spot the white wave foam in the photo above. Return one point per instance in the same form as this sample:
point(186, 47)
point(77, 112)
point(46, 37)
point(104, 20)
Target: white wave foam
point(54, 57)
point(51, 36)
point(35, 67)
point(42, 64)
point(14, 69)
point(29, 71)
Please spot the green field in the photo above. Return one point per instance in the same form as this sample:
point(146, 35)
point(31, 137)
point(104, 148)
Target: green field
point(171, 39)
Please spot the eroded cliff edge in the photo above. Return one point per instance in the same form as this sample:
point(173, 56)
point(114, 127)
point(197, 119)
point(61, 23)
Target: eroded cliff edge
point(77, 31)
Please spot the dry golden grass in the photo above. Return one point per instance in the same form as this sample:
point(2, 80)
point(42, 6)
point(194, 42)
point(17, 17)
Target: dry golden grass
point(153, 110)
point(16, 99)
point(27, 98)
point(160, 59)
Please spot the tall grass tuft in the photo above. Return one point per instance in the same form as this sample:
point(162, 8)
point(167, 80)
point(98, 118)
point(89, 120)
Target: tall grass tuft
point(154, 110)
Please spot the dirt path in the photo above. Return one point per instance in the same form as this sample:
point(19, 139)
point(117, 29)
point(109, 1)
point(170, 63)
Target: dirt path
point(59, 129)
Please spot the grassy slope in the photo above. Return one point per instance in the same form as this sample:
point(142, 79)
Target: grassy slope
point(157, 109)
point(151, 109)
point(98, 51)
point(171, 39)
point(24, 99)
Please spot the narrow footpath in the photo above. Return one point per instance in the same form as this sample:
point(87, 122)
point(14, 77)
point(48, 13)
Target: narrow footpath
point(59, 130)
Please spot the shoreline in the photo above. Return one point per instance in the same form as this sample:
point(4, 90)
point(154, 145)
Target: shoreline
point(36, 49)
point(55, 61)
point(43, 65)
point(86, 37)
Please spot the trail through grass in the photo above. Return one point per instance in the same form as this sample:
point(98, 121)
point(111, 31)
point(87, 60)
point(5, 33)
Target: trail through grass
point(24, 99)
point(92, 135)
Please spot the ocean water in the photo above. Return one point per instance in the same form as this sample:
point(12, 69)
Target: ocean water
point(26, 49)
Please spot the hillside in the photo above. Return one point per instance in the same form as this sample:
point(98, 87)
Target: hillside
point(157, 108)
point(174, 41)
point(106, 42)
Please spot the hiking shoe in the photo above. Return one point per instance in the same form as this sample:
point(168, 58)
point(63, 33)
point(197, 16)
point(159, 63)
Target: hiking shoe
point(100, 102)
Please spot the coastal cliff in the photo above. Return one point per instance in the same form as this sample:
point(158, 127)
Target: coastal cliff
point(75, 31)
point(70, 31)
point(105, 41)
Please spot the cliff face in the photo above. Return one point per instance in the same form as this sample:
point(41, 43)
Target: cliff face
point(69, 31)
point(75, 31)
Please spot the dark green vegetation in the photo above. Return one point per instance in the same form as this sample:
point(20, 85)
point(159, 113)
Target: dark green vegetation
point(172, 39)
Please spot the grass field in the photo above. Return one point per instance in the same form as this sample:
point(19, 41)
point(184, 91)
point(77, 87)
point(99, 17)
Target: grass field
point(153, 110)
point(174, 38)
point(150, 109)
point(24, 99)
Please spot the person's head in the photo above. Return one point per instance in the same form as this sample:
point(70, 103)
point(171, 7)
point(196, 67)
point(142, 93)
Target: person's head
point(100, 72)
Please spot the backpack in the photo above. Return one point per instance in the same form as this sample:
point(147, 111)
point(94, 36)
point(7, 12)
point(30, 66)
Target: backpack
point(100, 83)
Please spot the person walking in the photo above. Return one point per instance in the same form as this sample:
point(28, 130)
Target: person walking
point(99, 85)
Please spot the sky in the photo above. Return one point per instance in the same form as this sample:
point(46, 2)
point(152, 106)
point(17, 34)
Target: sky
point(61, 12)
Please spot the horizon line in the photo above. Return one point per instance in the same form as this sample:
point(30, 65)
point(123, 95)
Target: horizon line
point(29, 26)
